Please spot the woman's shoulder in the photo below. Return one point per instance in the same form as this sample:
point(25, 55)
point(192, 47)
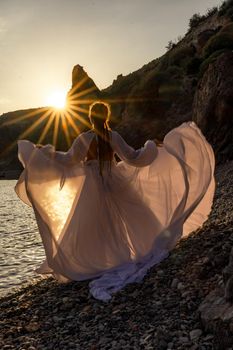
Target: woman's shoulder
point(84, 135)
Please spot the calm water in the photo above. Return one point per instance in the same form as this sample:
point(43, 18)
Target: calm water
point(21, 250)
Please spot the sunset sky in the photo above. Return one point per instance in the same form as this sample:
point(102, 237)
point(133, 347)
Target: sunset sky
point(41, 41)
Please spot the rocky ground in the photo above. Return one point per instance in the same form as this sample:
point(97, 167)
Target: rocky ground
point(161, 313)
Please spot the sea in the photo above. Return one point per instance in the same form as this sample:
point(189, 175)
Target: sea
point(21, 249)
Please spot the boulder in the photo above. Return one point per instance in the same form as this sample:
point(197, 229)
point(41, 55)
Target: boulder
point(217, 318)
point(213, 105)
point(228, 279)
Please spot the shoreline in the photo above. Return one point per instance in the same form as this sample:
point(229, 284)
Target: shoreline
point(162, 312)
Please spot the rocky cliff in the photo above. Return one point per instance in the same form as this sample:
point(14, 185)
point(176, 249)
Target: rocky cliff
point(191, 81)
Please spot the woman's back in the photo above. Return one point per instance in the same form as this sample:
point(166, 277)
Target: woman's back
point(93, 150)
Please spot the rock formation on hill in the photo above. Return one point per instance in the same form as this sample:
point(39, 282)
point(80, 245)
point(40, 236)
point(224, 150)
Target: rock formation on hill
point(83, 89)
point(213, 104)
point(191, 81)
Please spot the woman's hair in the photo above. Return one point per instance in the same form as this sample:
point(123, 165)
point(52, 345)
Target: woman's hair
point(99, 115)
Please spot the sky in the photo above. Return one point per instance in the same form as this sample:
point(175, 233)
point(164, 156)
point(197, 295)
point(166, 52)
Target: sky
point(41, 41)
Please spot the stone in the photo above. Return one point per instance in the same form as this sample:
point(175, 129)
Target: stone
point(174, 283)
point(180, 286)
point(183, 340)
point(57, 319)
point(195, 334)
point(65, 299)
point(185, 294)
point(216, 313)
point(32, 327)
point(160, 272)
point(162, 344)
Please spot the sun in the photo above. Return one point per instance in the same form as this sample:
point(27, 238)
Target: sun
point(57, 99)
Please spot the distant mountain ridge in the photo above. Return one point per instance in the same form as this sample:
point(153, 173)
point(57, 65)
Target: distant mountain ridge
point(193, 80)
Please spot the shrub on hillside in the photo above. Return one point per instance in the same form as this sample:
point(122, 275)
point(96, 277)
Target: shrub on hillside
point(211, 11)
point(179, 55)
point(222, 40)
point(229, 13)
point(172, 44)
point(195, 20)
point(164, 62)
point(225, 7)
point(175, 71)
point(149, 83)
point(157, 77)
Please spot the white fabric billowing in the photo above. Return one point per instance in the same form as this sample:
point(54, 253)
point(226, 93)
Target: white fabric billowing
point(112, 229)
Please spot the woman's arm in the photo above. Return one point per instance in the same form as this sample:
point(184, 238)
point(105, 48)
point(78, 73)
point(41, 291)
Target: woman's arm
point(73, 156)
point(139, 158)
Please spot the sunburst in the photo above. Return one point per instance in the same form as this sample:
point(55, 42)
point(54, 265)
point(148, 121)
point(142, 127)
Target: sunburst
point(57, 99)
point(64, 114)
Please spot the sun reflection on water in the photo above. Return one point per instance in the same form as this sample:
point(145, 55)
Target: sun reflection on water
point(57, 204)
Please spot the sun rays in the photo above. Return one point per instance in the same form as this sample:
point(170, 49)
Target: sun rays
point(66, 119)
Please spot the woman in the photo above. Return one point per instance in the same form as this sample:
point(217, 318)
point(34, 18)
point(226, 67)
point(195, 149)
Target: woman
point(107, 221)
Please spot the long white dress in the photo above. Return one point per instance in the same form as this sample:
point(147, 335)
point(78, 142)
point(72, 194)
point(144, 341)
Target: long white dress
point(112, 229)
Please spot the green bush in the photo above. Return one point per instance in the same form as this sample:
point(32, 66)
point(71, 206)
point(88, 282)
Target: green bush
point(149, 83)
point(195, 20)
point(229, 13)
point(222, 40)
point(180, 55)
point(211, 11)
point(170, 45)
point(226, 5)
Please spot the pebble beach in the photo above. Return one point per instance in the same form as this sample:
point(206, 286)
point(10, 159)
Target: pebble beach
point(160, 313)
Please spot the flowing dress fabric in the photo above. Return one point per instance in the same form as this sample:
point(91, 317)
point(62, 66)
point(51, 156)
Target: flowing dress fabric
point(112, 229)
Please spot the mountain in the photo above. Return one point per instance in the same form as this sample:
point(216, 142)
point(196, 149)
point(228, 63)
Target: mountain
point(193, 80)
